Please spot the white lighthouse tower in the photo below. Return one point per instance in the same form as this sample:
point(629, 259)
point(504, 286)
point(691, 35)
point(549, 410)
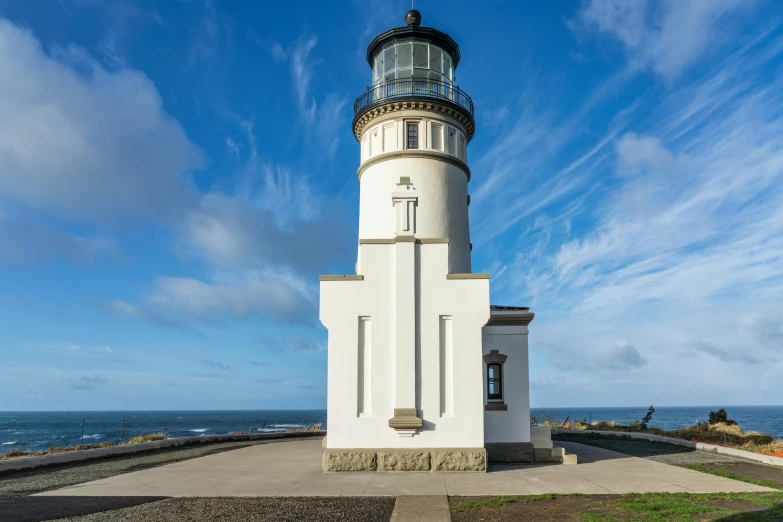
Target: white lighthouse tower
point(423, 374)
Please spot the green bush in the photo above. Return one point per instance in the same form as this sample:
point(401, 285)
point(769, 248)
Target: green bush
point(721, 416)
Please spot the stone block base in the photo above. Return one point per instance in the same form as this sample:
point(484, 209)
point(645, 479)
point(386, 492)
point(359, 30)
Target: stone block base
point(399, 459)
point(402, 460)
point(350, 460)
point(510, 452)
point(459, 460)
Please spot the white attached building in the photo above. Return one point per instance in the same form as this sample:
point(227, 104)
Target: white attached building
point(423, 374)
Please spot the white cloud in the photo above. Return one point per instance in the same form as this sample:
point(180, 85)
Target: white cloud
point(85, 143)
point(241, 296)
point(622, 356)
point(668, 35)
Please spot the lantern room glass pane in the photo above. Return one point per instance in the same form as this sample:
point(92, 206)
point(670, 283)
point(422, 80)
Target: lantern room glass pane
point(420, 58)
point(404, 60)
point(436, 59)
point(404, 54)
point(389, 60)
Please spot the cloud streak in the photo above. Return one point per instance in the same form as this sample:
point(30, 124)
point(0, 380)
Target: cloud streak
point(664, 259)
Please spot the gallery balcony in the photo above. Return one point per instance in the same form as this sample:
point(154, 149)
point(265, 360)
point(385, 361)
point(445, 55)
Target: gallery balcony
point(430, 92)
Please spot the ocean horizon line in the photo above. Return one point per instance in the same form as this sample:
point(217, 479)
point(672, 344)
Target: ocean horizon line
point(532, 408)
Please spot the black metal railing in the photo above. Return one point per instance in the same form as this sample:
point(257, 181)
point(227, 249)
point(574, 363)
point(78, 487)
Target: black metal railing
point(412, 88)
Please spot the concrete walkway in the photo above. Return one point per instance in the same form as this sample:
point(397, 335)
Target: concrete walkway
point(293, 468)
point(421, 508)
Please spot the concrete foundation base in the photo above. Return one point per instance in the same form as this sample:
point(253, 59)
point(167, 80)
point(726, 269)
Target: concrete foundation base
point(397, 459)
point(510, 452)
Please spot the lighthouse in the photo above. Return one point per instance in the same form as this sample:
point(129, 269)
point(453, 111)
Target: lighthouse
point(423, 373)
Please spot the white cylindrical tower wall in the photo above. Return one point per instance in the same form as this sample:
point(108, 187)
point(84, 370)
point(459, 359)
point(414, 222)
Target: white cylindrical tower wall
point(437, 168)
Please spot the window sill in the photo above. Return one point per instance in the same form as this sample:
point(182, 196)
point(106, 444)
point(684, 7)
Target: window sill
point(496, 406)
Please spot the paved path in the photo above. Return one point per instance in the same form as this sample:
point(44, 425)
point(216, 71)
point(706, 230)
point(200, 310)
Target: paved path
point(421, 508)
point(293, 468)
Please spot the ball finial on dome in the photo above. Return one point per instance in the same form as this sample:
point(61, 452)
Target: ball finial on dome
point(413, 17)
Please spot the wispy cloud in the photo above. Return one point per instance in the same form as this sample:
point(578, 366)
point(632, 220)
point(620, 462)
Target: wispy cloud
point(215, 364)
point(88, 382)
point(294, 343)
point(672, 218)
point(666, 36)
point(255, 237)
point(319, 118)
point(210, 30)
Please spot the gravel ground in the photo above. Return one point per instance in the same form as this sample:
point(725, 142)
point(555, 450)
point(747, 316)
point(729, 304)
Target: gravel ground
point(657, 451)
point(283, 509)
point(29, 482)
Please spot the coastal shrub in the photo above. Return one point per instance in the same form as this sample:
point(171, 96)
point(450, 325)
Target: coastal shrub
point(720, 416)
point(15, 454)
point(720, 433)
point(647, 417)
point(546, 419)
point(147, 438)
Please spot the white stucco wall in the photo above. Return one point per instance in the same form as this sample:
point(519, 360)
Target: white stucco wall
point(455, 422)
point(442, 209)
point(512, 425)
point(438, 170)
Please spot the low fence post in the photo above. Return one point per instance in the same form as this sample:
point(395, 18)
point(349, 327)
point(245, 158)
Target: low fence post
point(122, 431)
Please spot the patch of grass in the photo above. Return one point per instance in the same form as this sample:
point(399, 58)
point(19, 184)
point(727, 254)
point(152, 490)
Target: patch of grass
point(728, 475)
point(492, 502)
point(147, 438)
point(689, 506)
point(500, 501)
point(658, 506)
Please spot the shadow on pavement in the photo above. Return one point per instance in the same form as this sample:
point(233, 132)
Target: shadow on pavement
point(34, 509)
point(772, 514)
point(632, 447)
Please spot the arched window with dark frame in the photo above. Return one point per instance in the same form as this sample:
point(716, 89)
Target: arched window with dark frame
point(495, 382)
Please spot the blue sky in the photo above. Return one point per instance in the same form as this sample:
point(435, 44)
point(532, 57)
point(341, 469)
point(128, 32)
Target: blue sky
point(168, 199)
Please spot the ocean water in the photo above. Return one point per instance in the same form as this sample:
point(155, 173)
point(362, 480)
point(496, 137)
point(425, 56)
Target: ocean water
point(30, 431)
point(764, 419)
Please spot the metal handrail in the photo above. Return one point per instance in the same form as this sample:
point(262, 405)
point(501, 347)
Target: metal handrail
point(412, 87)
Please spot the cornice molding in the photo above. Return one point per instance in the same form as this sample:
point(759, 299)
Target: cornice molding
point(425, 104)
point(509, 318)
point(417, 153)
point(405, 239)
point(467, 276)
point(341, 278)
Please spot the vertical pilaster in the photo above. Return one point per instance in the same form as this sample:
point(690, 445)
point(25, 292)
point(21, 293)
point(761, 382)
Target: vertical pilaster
point(405, 419)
